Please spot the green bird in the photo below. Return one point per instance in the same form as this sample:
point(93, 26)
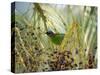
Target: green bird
point(56, 38)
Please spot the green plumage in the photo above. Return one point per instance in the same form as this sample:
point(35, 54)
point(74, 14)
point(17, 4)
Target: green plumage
point(57, 38)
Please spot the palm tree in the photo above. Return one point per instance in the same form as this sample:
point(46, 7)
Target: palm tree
point(34, 50)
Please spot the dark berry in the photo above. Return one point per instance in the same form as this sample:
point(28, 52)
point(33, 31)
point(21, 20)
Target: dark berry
point(36, 48)
point(32, 33)
point(35, 38)
point(68, 56)
point(55, 52)
point(72, 59)
point(46, 68)
point(85, 49)
point(95, 47)
point(75, 65)
point(80, 63)
point(76, 51)
point(38, 28)
point(90, 61)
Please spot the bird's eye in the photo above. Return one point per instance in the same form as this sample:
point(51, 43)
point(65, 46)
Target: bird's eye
point(46, 32)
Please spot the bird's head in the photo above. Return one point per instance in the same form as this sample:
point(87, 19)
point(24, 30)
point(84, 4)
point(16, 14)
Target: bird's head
point(50, 33)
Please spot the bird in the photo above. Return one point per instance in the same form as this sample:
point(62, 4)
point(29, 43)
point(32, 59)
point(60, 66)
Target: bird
point(56, 38)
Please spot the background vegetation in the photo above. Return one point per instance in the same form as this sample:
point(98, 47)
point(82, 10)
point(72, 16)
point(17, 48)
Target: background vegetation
point(34, 50)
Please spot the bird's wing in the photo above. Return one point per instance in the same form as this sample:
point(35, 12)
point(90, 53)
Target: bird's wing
point(57, 38)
